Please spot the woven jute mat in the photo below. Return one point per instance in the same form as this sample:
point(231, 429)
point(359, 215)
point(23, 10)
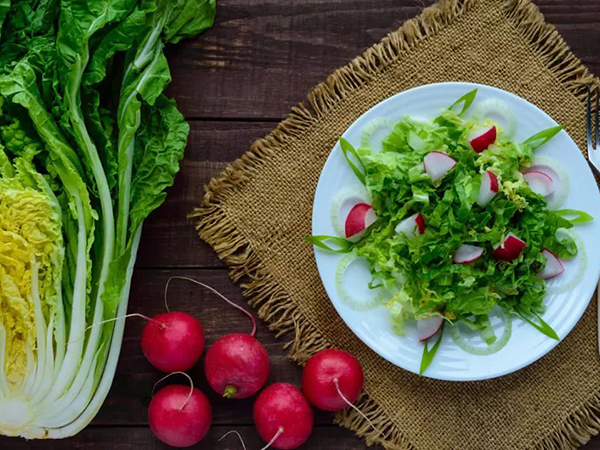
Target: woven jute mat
point(258, 212)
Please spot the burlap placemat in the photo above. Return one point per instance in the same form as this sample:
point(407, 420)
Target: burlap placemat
point(257, 215)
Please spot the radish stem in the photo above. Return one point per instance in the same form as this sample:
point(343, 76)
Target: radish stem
point(177, 373)
point(339, 391)
point(230, 392)
point(272, 441)
point(149, 319)
point(214, 291)
point(237, 434)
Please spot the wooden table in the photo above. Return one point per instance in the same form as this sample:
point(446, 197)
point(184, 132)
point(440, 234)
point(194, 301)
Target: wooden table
point(234, 83)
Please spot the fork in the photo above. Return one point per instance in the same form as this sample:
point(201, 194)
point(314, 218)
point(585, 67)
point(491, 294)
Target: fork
point(594, 157)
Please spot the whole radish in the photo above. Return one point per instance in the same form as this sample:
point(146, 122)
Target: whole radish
point(173, 342)
point(283, 417)
point(180, 416)
point(331, 379)
point(236, 365)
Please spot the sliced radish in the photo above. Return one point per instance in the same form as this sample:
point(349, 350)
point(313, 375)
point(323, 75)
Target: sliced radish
point(559, 176)
point(488, 188)
point(420, 221)
point(553, 266)
point(429, 327)
point(360, 217)
point(541, 183)
point(437, 164)
point(342, 204)
point(408, 226)
point(482, 139)
point(467, 253)
point(510, 249)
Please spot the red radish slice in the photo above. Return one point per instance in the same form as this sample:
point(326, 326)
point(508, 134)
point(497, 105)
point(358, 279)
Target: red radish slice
point(467, 253)
point(539, 182)
point(553, 266)
point(488, 189)
point(437, 164)
point(510, 249)
point(361, 216)
point(482, 139)
point(408, 226)
point(429, 327)
point(420, 221)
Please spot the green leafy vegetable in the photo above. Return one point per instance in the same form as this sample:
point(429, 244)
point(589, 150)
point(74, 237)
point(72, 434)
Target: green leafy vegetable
point(348, 150)
point(580, 216)
point(341, 245)
point(429, 354)
point(542, 326)
point(88, 145)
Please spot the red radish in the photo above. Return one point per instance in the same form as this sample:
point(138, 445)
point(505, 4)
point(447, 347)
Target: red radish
point(482, 139)
point(488, 188)
point(437, 164)
point(360, 217)
point(325, 373)
point(429, 327)
point(173, 342)
point(180, 416)
point(510, 249)
point(237, 365)
point(408, 226)
point(420, 221)
point(467, 253)
point(539, 182)
point(283, 417)
point(553, 266)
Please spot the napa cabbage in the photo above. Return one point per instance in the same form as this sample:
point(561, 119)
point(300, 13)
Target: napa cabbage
point(88, 145)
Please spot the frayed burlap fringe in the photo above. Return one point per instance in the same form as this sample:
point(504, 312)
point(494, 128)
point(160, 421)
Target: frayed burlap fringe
point(263, 291)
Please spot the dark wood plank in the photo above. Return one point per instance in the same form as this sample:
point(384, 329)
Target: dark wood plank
point(169, 238)
point(117, 438)
point(263, 56)
point(131, 392)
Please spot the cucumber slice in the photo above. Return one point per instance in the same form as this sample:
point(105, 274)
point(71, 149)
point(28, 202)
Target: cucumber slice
point(498, 112)
point(469, 347)
point(375, 133)
point(361, 301)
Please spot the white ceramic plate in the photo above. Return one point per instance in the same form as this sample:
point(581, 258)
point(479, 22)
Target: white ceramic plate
point(527, 344)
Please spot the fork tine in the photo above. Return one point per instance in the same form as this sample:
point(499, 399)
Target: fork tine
point(597, 125)
point(590, 143)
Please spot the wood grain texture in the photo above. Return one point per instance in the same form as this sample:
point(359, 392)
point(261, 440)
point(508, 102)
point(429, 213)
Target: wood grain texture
point(141, 438)
point(235, 82)
point(263, 56)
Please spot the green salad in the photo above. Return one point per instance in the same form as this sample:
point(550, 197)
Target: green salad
point(454, 223)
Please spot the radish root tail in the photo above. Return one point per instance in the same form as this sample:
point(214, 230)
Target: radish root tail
point(272, 441)
point(177, 373)
point(214, 291)
point(339, 391)
point(149, 319)
point(237, 434)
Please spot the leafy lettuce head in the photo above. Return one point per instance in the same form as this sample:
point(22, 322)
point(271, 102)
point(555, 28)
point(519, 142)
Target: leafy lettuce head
point(30, 249)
